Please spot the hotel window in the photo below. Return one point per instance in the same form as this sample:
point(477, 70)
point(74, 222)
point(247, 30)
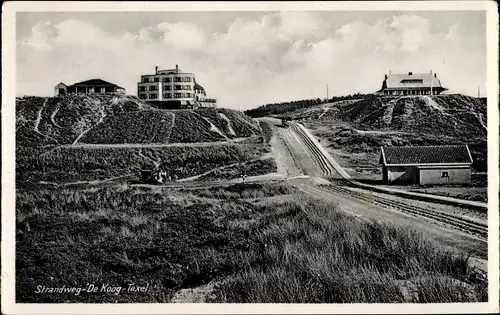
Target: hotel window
point(146, 80)
point(142, 88)
point(143, 96)
point(167, 80)
point(153, 87)
point(167, 87)
point(186, 79)
point(167, 95)
point(177, 95)
point(187, 87)
point(178, 79)
point(178, 87)
point(157, 79)
point(189, 95)
point(153, 96)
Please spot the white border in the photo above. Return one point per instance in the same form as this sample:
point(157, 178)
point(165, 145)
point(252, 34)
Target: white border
point(8, 159)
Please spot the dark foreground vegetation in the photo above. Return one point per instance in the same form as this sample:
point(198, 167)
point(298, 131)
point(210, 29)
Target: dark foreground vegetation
point(294, 250)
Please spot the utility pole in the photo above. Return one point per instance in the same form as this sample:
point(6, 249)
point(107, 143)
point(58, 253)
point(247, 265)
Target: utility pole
point(478, 91)
point(431, 82)
point(327, 96)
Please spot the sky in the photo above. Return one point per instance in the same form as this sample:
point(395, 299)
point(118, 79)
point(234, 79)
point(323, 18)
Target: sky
point(247, 59)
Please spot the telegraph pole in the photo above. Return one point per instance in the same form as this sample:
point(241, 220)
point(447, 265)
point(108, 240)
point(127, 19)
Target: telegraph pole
point(431, 82)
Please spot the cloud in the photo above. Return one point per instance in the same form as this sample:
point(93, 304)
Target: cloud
point(281, 56)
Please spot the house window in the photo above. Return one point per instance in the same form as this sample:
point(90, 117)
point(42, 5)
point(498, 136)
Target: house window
point(157, 79)
point(178, 87)
point(153, 88)
point(167, 87)
point(189, 95)
point(143, 96)
point(177, 95)
point(146, 80)
point(166, 80)
point(153, 96)
point(444, 175)
point(178, 79)
point(167, 95)
point(142, 88)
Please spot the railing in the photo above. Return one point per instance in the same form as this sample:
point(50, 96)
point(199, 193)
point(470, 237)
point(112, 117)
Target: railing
point(208, 100)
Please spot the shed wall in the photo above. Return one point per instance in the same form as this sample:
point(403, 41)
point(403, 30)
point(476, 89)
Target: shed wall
point(434, 176)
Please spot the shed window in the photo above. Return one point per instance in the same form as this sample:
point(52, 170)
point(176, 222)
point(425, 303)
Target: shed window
point(444, 174)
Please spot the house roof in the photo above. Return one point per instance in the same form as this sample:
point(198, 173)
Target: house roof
point(198, 87)
point(398, 81)
point(425, 155)
point(96, 82)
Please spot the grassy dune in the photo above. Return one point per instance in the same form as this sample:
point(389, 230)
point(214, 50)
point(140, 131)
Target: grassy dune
point(68, 164)
point(299, 250)
point(121, 119)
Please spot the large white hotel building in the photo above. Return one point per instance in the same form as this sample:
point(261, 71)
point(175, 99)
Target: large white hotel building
point(173, 89)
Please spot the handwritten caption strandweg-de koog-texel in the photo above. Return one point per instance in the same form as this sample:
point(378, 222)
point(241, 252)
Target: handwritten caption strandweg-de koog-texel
point(105, 288)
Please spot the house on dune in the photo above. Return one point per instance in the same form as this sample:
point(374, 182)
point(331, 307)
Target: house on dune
point(411, 84)
point(97, 86)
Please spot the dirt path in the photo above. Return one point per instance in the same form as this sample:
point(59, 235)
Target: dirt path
point(54, 113)
point(103, 115)
point(37, 122)
point(172, 127)
point(89, 182)
point(213, 128)
point(229, 127)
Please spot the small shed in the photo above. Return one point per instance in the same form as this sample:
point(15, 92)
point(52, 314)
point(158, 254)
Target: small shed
point(60, 89)
point(426, 165)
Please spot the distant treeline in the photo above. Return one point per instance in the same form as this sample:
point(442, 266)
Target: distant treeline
point(284, 107)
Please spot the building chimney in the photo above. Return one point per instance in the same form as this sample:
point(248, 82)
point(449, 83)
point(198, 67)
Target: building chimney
point(385, 76)
point(176, 68)
point(156, 69)
point(410, 73)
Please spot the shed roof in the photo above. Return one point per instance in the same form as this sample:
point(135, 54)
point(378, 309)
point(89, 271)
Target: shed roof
point(397, 81)
point(425, 155)
point(96, 82)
